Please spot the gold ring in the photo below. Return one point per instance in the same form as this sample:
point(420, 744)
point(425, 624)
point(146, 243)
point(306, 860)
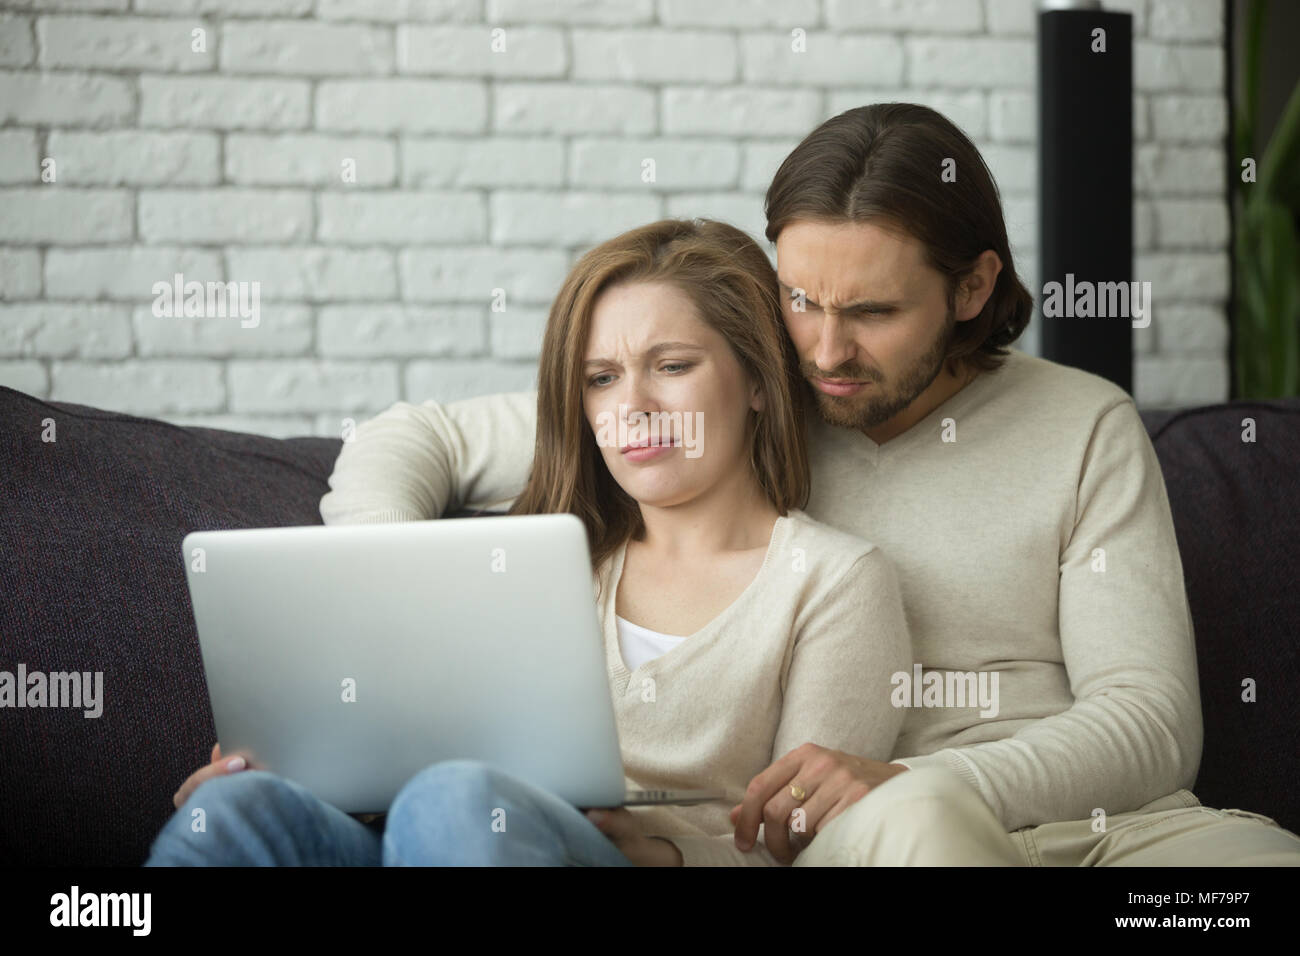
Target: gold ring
point(798, 792)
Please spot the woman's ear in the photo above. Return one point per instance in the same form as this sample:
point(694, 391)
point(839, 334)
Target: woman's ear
point(757, 400)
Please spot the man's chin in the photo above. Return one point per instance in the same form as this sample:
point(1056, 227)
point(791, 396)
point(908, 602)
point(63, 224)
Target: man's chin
point(843, 412)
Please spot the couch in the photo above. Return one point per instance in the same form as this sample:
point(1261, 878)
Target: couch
point(91, 579)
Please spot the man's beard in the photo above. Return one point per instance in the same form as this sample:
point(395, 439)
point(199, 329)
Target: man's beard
point(875, 406)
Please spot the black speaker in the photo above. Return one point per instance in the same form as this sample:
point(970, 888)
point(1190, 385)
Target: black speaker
point(1085, 187)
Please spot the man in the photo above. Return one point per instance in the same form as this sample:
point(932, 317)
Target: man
point(1053, 712)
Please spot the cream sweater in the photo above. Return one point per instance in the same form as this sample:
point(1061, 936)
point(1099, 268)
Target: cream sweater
point(1028, 523)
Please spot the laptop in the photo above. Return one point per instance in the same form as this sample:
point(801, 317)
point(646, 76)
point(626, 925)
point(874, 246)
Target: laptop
point(350, 657)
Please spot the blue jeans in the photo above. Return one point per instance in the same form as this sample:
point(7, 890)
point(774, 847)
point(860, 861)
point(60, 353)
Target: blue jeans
point(453, 813)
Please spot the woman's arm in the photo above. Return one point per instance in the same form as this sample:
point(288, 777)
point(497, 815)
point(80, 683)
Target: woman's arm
point(838, 688)
point(418, 461)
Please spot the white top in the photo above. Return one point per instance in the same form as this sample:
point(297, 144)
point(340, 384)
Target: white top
point(639, 644)
point(1029, 524)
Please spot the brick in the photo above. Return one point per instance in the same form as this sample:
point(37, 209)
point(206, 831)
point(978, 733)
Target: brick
point(16, 45)
point(123, 43)
point(224, 103)
point(760, 161)
point(1015, 17)
point(1179, 381)
point(470, 163)
point(228, 8)
point(1161, 67)
point(20, 273)
point(135, 158)
point(1013, 116)
point(1015, 168)
point(63, 214)
point(739, 209)
point(141, 388)
point(65, 99)
point(309, 160)
point(1190, 328)
point(64, 330)
point(558, 108)
point(309, 386)
point(517, 333)
point(307, 48)
point(967, 110)
point(828, 59)
point(315, 273)
point(566, 218)
point(922, 16)
point(1187, 20)
point(1144, 225)
point(740, 111)
point(402, 216)
point(1161, 170)
point(728, 14)
point(401, 331)
point(678, 164)
point(63, 5)
point(654, 56)
point(477, 51)
point(402, 10)
point(1191, 223)
point(450, 381)
point(272, 426)
point(572, 11)
point(457, 274)
point(25, 375)
point(278, 328)
point(18, 162)
point(224, 215)
point(1184, 276)
point(124, 272)
point(970, 61)
point(1189, 118)
point(414, 106)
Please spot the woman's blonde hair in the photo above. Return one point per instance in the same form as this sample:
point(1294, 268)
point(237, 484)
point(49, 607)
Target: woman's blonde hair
point(733, 287)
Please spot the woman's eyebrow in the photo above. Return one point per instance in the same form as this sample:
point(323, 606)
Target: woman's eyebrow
point(653, 351)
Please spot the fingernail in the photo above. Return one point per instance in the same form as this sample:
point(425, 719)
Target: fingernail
point(596, 816)
point(743, 845)
point(235, 763)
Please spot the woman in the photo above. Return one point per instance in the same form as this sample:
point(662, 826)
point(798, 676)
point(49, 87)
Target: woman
point(670, 420)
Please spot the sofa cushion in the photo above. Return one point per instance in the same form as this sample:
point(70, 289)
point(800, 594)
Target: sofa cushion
point(93, 580)
point(1236, 509)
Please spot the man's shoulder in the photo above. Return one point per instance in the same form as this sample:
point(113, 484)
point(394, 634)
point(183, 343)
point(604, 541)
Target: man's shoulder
point(1030, 387)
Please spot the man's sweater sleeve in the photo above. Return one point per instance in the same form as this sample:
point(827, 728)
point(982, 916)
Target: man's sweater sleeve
point(419, 461)
point(1134, 731)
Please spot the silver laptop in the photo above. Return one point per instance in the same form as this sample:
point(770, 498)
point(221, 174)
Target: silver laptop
point(350, 657)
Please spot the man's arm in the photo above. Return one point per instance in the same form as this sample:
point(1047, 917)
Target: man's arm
point(419, 461)
point(1134, 731)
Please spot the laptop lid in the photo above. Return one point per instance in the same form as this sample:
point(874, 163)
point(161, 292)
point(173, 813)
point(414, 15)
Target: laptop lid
point(350, 657)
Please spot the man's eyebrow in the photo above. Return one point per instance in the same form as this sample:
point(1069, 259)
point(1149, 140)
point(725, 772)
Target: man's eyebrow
point(653, 351)
point(866, 305)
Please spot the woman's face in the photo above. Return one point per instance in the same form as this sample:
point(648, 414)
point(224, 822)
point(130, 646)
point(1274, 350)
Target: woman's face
point(658, 375)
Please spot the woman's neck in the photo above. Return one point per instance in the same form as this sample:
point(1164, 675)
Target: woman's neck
point(723, 520)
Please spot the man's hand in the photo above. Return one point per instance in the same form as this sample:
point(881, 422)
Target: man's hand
point(618, 825)
point(832, 780)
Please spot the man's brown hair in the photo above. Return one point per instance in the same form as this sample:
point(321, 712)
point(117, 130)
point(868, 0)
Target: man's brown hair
point(883, 164)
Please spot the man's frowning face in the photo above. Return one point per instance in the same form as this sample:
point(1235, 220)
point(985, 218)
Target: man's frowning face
point(875, 317)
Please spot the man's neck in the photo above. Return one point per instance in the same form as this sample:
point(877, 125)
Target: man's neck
point(944, 387)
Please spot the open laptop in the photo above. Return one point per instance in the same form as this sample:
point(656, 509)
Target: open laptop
point(350, 657)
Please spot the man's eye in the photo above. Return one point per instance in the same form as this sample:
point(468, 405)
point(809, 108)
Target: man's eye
point(681, 365)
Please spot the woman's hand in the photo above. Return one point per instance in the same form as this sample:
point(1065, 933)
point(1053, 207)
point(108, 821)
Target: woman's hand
point(216, 768)
point(621, 828)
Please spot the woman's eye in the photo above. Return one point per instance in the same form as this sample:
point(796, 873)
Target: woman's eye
point(592, 380)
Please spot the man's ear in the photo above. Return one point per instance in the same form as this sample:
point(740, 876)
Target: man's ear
point(976, 288)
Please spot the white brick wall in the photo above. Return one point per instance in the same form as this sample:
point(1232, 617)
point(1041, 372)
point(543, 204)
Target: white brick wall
point(220, 155)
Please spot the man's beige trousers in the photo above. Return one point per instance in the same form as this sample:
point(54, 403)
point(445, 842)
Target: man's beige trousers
point(931, 817)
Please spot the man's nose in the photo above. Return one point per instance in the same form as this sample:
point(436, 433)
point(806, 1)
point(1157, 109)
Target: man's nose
point(834, 344)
